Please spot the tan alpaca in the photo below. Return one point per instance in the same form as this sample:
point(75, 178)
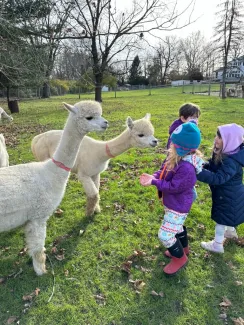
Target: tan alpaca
point(94, 155)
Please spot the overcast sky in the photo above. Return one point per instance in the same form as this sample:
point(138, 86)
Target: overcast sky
point(204, 11)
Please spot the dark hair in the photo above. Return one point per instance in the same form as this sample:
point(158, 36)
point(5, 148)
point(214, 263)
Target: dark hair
point(218, 134)
point(189, 109)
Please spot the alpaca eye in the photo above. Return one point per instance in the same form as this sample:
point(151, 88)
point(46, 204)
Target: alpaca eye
point(140, 135)
point(89, 118)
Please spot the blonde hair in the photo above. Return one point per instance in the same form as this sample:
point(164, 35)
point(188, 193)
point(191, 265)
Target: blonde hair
point(173, 158)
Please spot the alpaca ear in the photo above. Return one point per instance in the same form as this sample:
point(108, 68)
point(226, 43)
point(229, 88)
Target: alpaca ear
point(147, 116)
point(70, 108)
point(129, 122)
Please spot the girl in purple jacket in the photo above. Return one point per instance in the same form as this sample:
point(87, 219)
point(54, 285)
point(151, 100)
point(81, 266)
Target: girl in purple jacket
point(175, 181)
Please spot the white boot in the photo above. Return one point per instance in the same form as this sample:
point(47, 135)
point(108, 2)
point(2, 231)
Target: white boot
point(212, 246)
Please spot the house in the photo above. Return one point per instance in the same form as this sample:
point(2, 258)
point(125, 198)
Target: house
point(235, 70)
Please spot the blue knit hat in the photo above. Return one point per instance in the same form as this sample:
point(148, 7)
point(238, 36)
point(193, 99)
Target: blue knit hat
point(186, 138)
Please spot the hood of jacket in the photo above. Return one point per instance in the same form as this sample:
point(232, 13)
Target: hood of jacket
point(232, 136)
point(239, 156)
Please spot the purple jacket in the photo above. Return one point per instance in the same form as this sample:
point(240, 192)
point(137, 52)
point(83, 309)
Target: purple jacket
point(177, 186)
point(172, 127)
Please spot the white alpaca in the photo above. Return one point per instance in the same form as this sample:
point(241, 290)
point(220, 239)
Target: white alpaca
point(5, 116)
point(4, 157)
point(94, 156)
point(29, 193)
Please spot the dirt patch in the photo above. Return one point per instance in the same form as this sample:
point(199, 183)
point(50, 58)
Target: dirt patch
point(13, 132)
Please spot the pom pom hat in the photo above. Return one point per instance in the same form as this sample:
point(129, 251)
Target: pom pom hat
point(186, 138)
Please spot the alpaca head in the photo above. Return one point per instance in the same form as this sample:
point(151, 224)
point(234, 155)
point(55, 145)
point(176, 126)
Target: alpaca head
point(141, 132)
point(4, 116)
point(87, 116)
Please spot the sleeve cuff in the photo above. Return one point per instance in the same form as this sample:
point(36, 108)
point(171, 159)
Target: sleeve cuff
point(154, 182)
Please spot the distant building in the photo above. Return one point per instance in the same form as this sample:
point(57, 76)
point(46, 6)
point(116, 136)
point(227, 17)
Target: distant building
point(180, 82)
point(235, 70)
point(105, 88)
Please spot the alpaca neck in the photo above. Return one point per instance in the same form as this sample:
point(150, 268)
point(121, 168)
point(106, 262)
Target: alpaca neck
point(69, 144)
point(119, 144)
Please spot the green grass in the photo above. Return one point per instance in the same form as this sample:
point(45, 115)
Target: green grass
point(129, 222)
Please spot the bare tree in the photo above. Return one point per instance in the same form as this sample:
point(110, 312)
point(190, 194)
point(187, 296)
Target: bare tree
point(73, 61)
point(111, 31)
point(193, 48)
point(168, 52)
point(228, 33)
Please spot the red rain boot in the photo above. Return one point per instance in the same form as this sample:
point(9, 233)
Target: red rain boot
point(184, 242)
point(178, 260)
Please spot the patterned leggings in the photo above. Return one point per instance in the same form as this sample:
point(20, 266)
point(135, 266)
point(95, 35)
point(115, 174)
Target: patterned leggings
point(172, 224)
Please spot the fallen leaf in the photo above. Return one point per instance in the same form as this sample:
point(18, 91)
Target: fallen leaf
point(143, 269)
point(206, 255)
point(66, 272)
point(126, 266)
point(200, 226)
point(231, 265)
point(81, 232)
point(238, 283)
point(60, 257)
point(154, 293)
point(139, 285)
point(30, 296)
point(100, 299)
point(226, 302)
point(161, 294)
point(11, 320)
point(59, 212)
point(223, 316)
point(54, 250)
point(2, 280)
point(23, 251)
point(238, 321)
point(240, 241)
point(100, 256)
point(60, 238)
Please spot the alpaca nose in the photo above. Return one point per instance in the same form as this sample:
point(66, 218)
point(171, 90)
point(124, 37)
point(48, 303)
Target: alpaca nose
point(105, 122)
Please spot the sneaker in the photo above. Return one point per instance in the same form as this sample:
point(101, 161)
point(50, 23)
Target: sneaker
point(212, 247)
point(231, 234)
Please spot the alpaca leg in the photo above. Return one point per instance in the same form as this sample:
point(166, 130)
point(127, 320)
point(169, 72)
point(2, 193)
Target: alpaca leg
point(96, 180)
point(92, 196)
point(35, 231)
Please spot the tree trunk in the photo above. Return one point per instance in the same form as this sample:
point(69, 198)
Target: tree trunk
point(45, 90)
point(223, 88)
point(98, 87)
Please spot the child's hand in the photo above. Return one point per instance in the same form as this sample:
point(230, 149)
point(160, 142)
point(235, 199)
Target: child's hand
point(146, 179)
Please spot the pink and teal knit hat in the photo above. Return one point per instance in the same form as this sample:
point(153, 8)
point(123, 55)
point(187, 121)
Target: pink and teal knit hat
point(186, 138)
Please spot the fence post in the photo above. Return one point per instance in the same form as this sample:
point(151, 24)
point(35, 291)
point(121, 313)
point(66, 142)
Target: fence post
point(183, 91)
point(209, 88)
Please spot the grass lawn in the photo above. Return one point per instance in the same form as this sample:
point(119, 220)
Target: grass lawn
point(108, 270)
